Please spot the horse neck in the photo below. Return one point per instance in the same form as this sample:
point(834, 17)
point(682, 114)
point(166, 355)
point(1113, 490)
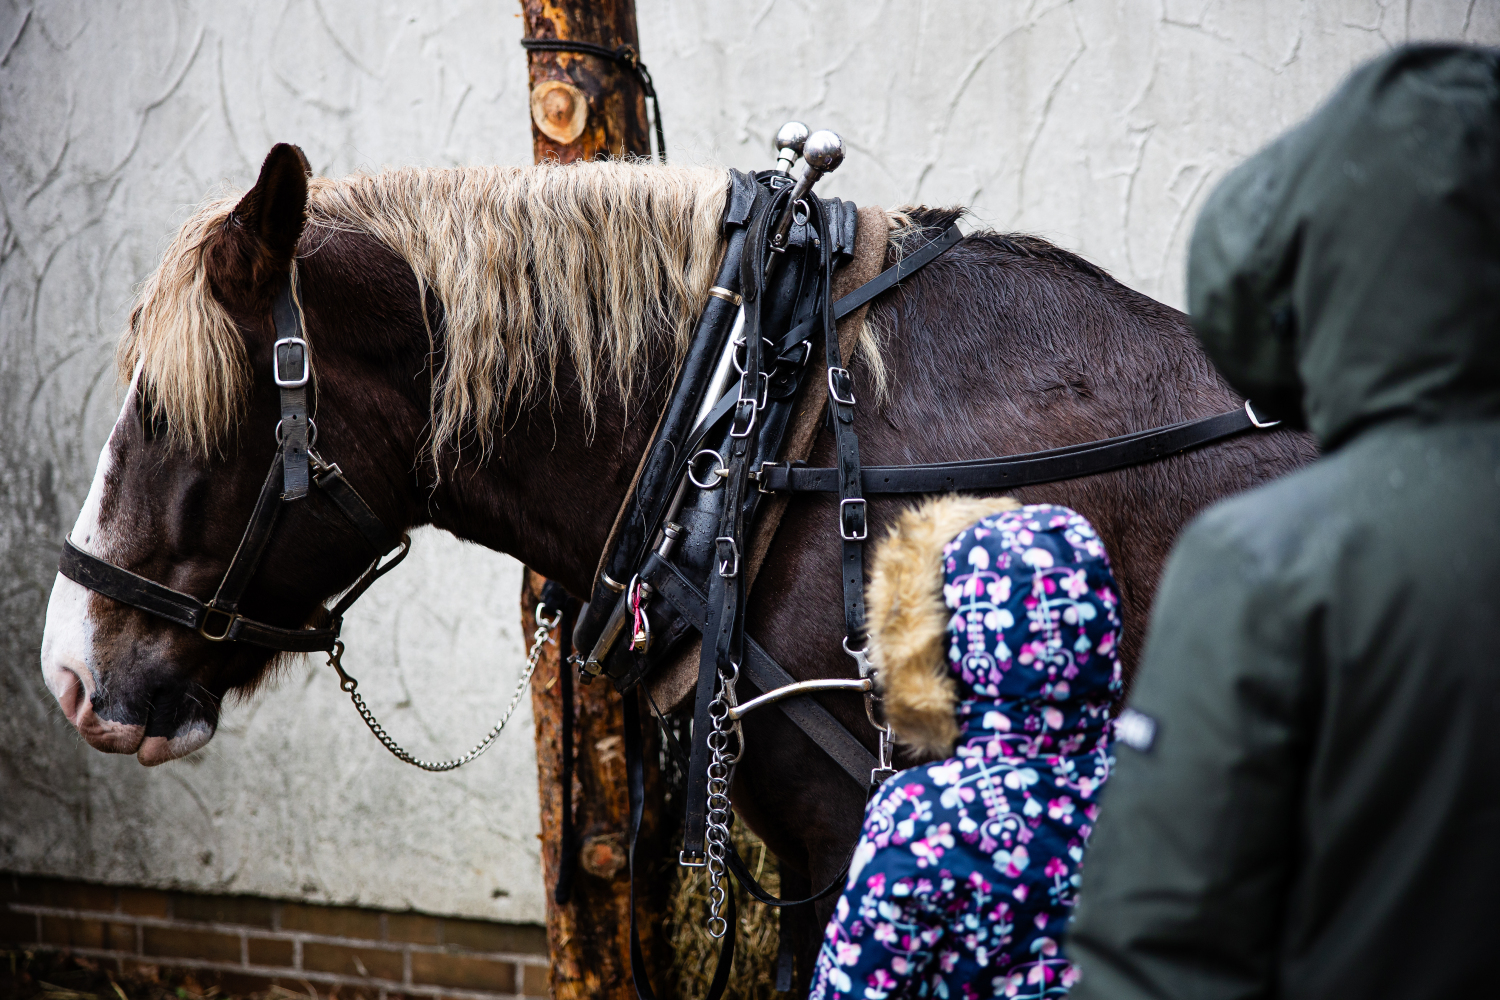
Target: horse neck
point(549, 492)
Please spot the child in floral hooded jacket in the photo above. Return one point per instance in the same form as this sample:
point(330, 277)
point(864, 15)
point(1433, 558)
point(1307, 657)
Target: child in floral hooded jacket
point(993, 627)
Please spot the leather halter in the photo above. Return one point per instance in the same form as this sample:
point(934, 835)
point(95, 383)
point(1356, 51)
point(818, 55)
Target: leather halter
point(219, 619)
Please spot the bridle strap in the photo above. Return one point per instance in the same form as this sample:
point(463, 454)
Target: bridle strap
point(1014, 471)
point(291, 369)
point(253, 542)
point(184, 609)
point(288, 478)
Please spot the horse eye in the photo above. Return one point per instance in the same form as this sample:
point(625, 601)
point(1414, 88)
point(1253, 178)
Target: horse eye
point(154, 423)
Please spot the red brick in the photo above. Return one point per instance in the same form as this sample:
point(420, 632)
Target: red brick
point(267, 951)
point(145, 902)
point(66, 894)
point(73, 933)
point(334, 921)
point(246, 910)
point(536, 981)
point(463, 972)
point(16, 928)
point(119, 937)
point(482, 935)
point(205, 945)
point(415, 928)
point(344, 961)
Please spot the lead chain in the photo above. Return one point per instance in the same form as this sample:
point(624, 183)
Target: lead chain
point(539, 638)
point(720, 770)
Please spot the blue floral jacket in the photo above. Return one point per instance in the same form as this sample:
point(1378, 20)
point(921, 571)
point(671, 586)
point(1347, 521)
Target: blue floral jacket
point(963, 881)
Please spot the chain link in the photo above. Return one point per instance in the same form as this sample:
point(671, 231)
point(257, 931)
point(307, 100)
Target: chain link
point(539, 638)
point(720, 772)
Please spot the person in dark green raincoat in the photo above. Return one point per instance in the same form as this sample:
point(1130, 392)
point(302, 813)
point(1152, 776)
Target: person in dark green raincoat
point(1307, 800)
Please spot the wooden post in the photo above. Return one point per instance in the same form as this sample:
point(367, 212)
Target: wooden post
point(582, 107)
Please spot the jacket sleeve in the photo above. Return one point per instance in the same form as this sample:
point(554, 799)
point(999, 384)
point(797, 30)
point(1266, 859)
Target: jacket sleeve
point(1187, 871)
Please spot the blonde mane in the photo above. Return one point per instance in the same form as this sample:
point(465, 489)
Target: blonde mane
point(590, 260)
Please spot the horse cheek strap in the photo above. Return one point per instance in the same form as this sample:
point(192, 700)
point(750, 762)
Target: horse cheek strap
point(290, 369)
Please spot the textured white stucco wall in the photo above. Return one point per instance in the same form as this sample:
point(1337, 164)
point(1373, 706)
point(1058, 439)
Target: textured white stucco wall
point(1099, 125)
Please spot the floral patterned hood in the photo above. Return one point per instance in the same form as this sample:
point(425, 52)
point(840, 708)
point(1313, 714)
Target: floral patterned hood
point(994, 622)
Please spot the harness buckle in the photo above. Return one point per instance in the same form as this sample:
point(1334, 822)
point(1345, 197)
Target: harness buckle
point(1261, 424)
point(294, 349)
point(840, 379)
point(765, 474)
point(692, 859)
point(729, 562)
point(230, 617)
point(744, 418)
point(859, 530)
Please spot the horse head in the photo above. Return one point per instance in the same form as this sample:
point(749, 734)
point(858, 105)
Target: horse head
point(179, 475)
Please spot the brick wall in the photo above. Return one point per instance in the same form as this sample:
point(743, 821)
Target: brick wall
point(249, 944)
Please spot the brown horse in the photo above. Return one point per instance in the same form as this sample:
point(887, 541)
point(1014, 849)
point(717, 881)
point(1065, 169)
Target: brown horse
point(491, 348)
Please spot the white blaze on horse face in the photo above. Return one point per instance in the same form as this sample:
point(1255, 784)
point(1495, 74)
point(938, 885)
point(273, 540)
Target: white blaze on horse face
point(68, 637)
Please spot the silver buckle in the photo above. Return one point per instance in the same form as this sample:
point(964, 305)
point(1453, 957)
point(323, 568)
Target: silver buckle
point(288, 383)
point(734, 549)
point(734, 426)
point(864, 531)
point(833, 389)
point(695, 860)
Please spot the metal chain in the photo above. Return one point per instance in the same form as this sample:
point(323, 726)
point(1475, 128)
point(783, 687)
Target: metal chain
point(720, 770)
point(539, 638)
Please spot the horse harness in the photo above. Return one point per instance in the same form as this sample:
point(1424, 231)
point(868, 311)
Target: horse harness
point(682, 535)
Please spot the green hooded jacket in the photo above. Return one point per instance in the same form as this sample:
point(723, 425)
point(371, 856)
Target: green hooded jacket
point(1307, 800)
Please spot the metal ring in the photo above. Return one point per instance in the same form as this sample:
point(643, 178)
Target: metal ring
point(720, 473)
point(312, 432)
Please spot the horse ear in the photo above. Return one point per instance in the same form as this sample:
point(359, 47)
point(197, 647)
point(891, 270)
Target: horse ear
point(275, 209)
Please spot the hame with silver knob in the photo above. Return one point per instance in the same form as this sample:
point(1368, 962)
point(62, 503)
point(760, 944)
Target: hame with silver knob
point(823, 151)
point(789, 140)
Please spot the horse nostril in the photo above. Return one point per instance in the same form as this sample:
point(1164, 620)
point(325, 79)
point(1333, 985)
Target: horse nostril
point(68, 688)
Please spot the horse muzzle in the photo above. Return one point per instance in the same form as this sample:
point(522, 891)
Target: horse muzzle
point(125, 710)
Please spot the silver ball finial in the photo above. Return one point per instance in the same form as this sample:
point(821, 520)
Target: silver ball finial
point(791, 136)
point(789, 140)
point(823, 151)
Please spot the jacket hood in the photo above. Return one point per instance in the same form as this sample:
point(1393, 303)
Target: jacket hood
point(1349, 273)
point(996, 624)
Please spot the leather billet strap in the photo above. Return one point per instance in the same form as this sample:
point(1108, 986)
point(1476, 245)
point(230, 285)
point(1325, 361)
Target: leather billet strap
point(1013, 471)
point(291, 369)
point(853, 522)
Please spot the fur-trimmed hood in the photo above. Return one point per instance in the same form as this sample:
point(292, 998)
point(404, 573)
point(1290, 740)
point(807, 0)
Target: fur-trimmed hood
point(964, 593)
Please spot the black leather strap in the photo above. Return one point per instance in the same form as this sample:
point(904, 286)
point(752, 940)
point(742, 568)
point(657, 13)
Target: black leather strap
point(183, 609)
point(765, 674)
point(257, 535)
point(291, 369)
point(894, 274)
point(331, 481)
point(635, 784)
point(882, 282)
point(853, 522)
point(1030, 469)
